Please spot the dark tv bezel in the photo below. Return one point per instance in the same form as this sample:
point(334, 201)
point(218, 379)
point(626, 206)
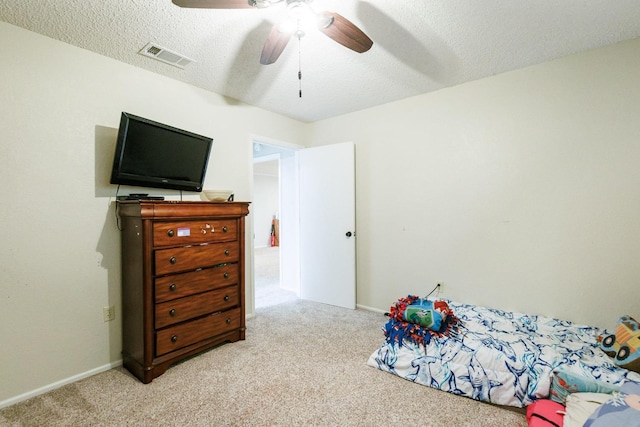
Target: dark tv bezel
point(121, 178)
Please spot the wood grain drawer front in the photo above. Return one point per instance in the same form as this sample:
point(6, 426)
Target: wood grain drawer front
point(184, 334)
point(194, 232)
point(175, 260)
point(195, 282)
point(180, 310)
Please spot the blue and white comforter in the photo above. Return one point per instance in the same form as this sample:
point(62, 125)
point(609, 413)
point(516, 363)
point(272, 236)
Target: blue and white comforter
point(501, 357)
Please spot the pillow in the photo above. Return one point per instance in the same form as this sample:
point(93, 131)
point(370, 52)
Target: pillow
point(564, 382)
point(428, 314)
point(421, 311)
point(621, 410)
point(624, 345)
point(581, 405)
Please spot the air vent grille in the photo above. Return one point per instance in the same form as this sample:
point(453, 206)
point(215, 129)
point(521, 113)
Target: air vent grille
point(167, 56)
point(154, 50)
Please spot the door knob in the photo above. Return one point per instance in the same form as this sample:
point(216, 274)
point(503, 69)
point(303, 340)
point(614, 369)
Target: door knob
point(349, 234)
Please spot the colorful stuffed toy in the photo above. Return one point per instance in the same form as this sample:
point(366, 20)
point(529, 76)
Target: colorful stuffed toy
point(624, 345)
point(423, 312)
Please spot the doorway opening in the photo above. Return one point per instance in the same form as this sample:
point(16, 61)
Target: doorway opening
point(267, 278)
point(275, 225)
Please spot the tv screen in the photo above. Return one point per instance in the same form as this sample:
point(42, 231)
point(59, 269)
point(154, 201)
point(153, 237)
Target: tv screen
point(152, 154)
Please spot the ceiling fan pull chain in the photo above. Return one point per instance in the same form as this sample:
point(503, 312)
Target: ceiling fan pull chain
point(300, 63)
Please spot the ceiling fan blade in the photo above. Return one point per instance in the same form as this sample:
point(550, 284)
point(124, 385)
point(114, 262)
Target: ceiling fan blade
point(346, 32)
point(214, 4)
point(275, 44)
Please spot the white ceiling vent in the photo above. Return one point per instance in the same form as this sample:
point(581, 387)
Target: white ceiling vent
point(154, 51)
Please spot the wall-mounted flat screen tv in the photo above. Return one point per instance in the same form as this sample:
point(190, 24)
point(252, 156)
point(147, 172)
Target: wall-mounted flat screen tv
point(152, 154)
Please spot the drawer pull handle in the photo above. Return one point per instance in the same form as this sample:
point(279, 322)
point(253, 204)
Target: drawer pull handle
point(226, 252)
point(173, 260)
point(226, 275)
point(226, 298)
point(174, 338)
point(228, 321)
point(224, 229)
point(170, 233)
point(172, 287)
point(172, 312)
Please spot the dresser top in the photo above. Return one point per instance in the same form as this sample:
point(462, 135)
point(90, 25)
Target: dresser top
point(158, 209)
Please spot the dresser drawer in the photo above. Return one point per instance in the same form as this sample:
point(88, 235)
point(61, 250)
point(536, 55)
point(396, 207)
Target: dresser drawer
point(194, 282)
point(184, 334)
point(174, 260)
point(180, 310)
point(194, 232)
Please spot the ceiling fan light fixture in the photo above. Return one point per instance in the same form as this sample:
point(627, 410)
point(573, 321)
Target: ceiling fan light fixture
point(299, 9)
point(303, 18)
point(287, 26)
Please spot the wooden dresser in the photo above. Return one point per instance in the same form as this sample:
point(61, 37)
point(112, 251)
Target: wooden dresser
point(182, 280)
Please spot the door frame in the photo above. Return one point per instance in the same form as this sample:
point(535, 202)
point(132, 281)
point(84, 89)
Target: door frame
point(289, 216)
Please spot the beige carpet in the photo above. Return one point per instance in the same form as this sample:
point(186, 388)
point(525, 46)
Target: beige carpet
point(302, 364)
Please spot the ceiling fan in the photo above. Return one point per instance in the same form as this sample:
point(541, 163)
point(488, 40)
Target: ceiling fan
point(333, 25)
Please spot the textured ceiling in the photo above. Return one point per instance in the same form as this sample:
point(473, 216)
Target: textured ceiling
point(419, 46)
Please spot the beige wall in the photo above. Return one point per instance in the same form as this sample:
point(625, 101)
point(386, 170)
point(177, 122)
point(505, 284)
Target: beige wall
point(520, 191)
point(60, 248)
point(266, 201)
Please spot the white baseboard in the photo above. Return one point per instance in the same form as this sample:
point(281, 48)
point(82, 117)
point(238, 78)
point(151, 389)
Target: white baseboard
point(59, 384)
point(375, 310)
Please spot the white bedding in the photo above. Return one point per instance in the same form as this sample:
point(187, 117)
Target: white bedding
point(501, 357)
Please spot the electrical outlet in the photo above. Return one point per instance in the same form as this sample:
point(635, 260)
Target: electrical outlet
point(109, 313)
point(440, 288)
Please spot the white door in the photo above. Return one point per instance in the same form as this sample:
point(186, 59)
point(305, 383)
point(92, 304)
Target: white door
point(327, 224)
